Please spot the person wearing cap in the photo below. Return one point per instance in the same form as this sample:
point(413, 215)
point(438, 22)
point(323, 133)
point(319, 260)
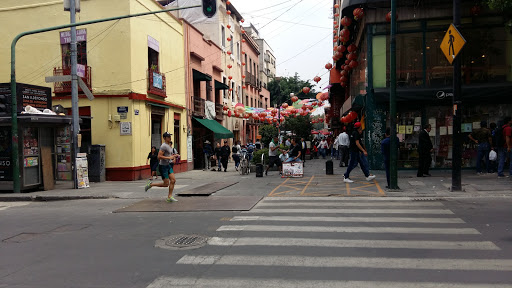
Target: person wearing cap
point(166, 155)
point(358, 154)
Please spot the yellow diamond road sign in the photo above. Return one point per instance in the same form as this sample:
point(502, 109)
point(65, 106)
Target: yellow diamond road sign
point(452, 43)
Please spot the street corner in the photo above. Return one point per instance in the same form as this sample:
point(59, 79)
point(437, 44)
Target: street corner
point(327, 186)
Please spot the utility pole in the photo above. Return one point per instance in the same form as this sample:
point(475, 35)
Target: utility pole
point(393, 173)
point(74, 93)
point(457, 111)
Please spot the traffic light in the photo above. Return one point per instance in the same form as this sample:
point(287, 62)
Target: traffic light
point(209, 8)
point(5, 100)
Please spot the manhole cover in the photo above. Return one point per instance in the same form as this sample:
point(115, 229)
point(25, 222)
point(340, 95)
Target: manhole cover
point(181, 242)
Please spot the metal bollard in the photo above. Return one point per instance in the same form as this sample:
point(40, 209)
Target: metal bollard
point(329, 170)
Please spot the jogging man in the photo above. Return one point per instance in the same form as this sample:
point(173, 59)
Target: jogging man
point(166, 155)
point(273, 155)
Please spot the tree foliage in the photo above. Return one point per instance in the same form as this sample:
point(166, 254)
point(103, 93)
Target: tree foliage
point(300, 126)
point(500, 5)
point(281, 87)
point(267, 132)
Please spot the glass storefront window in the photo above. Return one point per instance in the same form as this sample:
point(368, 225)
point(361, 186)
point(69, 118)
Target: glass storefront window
point(409, 60)
point(358, 77)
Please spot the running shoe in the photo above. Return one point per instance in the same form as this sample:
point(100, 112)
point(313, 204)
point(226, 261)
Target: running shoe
point(171, 199)
point(347, 180)
point(148, 186)
point(370, 178)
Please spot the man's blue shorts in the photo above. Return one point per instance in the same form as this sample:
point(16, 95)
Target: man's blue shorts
point(165, 171)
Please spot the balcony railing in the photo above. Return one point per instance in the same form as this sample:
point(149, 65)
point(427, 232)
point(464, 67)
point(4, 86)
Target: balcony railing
point(250, 79)
point(65, 87)
point(219, 111)
point(198, 106)
point(156, 83)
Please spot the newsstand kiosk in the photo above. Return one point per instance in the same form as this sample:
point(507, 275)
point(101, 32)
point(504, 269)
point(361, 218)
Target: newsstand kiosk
point(44, 142)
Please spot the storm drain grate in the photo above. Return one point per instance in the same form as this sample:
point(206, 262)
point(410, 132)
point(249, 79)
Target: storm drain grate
point(426, 199)
point(182, 242)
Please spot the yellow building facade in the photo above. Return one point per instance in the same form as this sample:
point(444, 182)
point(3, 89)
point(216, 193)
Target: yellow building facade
point(134, 67)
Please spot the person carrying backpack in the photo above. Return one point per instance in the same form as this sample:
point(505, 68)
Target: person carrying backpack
point(504, 145)
point(235, 150)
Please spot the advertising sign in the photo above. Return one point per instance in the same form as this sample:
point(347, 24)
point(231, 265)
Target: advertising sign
point(65, 36)
point(36, 96)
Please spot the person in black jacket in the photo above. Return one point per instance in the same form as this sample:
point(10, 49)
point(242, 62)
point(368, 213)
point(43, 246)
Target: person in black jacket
point(425, 147)
point(225, 152)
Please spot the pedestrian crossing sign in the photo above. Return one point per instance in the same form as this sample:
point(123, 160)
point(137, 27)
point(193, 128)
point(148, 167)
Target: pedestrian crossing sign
point(452, 43)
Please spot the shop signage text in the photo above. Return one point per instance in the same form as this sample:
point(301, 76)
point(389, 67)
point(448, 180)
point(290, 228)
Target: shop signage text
point(442, 94)
point(36, 96)
point(65, 36)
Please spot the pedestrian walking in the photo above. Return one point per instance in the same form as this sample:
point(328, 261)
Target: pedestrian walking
point(335, 150)
point(493, 155)
point(218, 155)
point(167, 155)
point(483, 138)
point(153, 162)
point(273, 157)
point(358, 154)
point(504, 143)
point(322, 148)
point(236, 150)
point(425, 148)
point(344, 143)
point(225, 152)
point(385, 146)
point(208, 152)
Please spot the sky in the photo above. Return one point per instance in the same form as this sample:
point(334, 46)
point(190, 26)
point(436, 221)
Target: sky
point(300, 36)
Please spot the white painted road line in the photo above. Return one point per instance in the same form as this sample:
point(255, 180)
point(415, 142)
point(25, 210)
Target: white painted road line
point(350, 219)
point(350, 243)
point(354, 211)
point(351, 262)
point(6, 205)
point(341, 199)
point(349, 204)
point(173, 281)
point(326, 229)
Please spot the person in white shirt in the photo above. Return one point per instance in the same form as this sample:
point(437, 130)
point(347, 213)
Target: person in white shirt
point(343, 145)
point(322, 147)
point(273, 155)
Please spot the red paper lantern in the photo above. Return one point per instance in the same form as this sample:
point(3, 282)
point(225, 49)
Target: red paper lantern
point(343, 79)
point(243, 63)
point(285, 105)
point(351, 48)
point(335, 22)
point(344, 39)
point(295, 98)
point(255, 116)
point(345, 33)
point(347, 61)
point(229, 39)
point(229, 52)
point(228, 12)
point(328, 66)
point(352, 56)
point(228, 2)
point(345, 21)
point(274, 120)
point(243, 52)
point(246, 116)
point(225, 108)
point(306, 90)
point(230, 66)
point(352, 115)
point(229, 26)
point(229, 113)
point(243, 87)
point(230, 89)
point(343, 73)
point(230, 77)
point(243, 76)
point(337, 26)
point(337, 15)
point(358, 13)
point(336, 37)
point(336, 6)
point(263, 114)
point(242, 20)
point(388, 17)
point(334, 31)
point(317, 79)
point(341, 49)
point(347, 68)
point(335, 48)
point(243, 31)
point(243, 40)
point(353, 64)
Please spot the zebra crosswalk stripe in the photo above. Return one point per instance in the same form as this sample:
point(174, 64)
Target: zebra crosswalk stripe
point(351, 211)
point(323, 229)
point(443, 220)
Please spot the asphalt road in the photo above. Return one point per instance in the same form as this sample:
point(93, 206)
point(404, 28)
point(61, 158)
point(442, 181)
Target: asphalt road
point(282, 242)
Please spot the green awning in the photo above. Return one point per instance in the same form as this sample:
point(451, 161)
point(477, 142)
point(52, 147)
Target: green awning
point(201, 76)
point(220, 86)
point(220, 131)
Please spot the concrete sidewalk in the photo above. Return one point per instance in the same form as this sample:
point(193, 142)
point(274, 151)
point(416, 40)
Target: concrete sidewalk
point(487, 185)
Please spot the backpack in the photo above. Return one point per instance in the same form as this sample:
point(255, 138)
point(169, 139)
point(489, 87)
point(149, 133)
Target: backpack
point(234, 149)
point(499, 140)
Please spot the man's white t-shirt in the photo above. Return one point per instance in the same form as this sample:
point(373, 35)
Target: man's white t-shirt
point(270, 152)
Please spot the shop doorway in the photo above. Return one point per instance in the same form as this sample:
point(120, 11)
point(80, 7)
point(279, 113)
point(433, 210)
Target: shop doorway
point(156, 131)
